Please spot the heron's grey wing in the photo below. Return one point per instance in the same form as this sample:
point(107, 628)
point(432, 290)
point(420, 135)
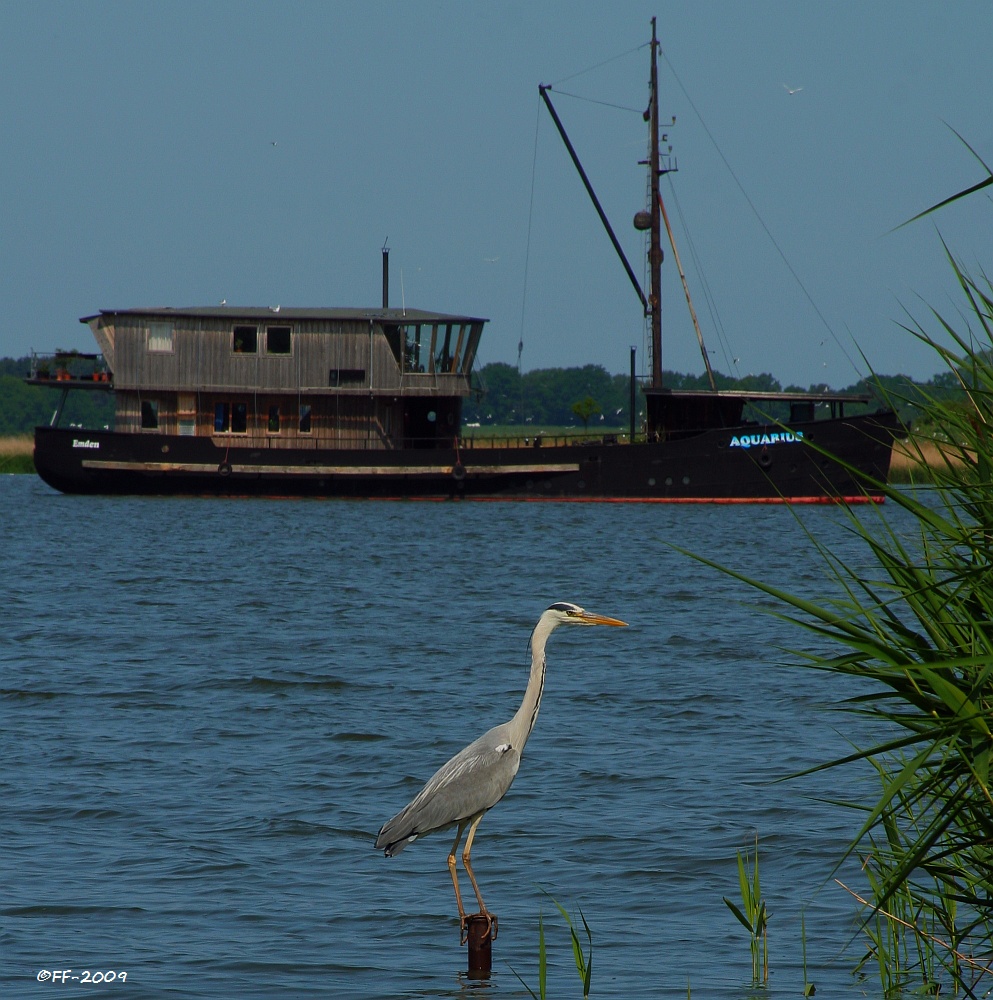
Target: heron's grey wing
point(474, 780)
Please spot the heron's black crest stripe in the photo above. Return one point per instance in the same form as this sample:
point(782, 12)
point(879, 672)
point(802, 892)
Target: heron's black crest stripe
point(562, 607)
point(537, 703)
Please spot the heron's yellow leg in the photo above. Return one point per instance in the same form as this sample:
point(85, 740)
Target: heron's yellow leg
point(490, 917)
point(451, 869)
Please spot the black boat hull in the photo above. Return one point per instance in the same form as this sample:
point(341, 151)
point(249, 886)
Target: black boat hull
point(820, 461)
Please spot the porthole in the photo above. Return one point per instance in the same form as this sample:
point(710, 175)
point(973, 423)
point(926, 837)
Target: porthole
point(668, 480)
point(686, 480)
point(651, 482)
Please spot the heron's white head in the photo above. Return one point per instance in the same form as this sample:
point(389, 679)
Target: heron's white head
point(564, 613)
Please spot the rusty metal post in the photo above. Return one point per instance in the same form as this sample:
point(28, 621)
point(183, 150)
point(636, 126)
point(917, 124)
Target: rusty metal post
point(480, 946)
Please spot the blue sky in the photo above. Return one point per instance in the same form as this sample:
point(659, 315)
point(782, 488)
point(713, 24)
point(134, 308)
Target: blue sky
point(139, 168)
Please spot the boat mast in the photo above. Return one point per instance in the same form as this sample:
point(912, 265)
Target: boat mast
point(655, 248)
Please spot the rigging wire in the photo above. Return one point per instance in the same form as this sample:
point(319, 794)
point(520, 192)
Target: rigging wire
point(715, 318)
point(589, 69)
point(527, 255)
point(761, 221)
point(593, 100)
point(527, 247)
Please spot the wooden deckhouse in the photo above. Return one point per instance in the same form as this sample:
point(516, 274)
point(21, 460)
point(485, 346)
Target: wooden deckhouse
point(293, 378)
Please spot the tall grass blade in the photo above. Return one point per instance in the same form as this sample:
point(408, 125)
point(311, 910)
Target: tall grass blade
point(917, 631)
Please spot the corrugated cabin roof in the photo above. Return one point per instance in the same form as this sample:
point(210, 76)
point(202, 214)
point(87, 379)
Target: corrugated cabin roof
point(264, 313)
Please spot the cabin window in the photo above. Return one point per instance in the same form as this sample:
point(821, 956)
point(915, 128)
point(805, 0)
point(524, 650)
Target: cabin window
point(159, 339)
point(222, 418)
point(149, 414)
point(186, 414)
point(305, 418)
point(274, 419)
point(239, 418)
point(231, 418)
point(346, 376)
point(245, 340)
point(277, 340)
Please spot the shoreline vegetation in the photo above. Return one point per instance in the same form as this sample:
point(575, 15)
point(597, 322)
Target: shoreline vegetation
point(16, 454)
point(911, 458)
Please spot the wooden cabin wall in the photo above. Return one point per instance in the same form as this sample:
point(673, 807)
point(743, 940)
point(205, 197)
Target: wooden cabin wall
point(345, 370)
point(336, 422)
point(202, 357)
point(103, 329)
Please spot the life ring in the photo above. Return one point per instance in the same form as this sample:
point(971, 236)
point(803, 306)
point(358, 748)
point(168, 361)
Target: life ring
point(458, 472)
point(765, 459)
point(224, 469)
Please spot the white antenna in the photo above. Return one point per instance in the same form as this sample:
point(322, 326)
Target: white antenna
point(403, 301)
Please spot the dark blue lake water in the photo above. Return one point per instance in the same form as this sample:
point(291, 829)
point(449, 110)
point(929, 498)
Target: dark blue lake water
point(209, 707)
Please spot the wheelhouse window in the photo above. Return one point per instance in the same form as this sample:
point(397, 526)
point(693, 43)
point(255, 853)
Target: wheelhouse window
point(149, 414)
point(273, 425)
point(245, 340)
point(305, 418)
point(412, 348)
point(443, 359)
point(160, 338)
point(278, 340)
point(433, 348)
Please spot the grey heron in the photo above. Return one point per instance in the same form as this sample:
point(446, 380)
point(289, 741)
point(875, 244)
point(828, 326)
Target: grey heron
point(477, 777)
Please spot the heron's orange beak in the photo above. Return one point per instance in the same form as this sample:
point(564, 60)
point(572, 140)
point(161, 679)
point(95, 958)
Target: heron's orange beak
point(588, 618)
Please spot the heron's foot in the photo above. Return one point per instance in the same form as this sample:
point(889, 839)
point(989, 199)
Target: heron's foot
point(491, 926)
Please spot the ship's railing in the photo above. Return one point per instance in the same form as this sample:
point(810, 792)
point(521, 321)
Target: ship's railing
point(381, 441)
point(543, 440)
point(68, 366)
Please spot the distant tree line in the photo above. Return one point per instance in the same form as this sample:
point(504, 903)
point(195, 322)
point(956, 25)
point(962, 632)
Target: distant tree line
point(553, 397)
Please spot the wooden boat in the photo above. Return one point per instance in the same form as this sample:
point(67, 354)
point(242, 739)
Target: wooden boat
point(368, 403)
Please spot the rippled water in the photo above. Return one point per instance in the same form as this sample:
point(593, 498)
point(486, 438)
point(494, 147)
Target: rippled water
point(209, 707)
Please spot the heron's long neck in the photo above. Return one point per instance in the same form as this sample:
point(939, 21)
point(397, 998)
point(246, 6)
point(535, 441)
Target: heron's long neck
point(523, 722)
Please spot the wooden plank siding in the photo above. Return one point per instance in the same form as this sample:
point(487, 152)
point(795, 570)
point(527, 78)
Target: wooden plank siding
point(336, 422)
point(202, 358)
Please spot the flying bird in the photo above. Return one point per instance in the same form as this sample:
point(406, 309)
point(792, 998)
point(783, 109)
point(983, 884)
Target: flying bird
point(477, 778)
point(792, 90)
